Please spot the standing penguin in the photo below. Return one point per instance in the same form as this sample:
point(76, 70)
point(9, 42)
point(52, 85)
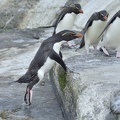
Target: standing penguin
point(111, 35)
point(66, 18)
point(44, 60)
point(93, 28)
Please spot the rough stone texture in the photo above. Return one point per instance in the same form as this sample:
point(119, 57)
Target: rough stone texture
point(37, 13)
point(17, 49)
point(28, 13)
point(91, 90)
point(91, 83)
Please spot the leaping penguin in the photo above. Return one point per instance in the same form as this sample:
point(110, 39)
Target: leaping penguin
point(66, 18)
point(93, 28)
point(45, 58)
point(111, 35)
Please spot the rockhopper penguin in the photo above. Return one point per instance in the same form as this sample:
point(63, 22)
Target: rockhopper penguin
point(111, 35)
point(45, 58)
point(93, 28)
point(67, 18)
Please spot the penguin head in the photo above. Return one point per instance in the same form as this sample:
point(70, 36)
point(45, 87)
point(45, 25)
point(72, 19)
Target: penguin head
point(76, 8)
point(103, 15)
point(68, 35)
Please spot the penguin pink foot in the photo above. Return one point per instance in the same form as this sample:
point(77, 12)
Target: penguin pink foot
point(70, 44)
point(118, 54)
point(28, 96)
point(105, 51)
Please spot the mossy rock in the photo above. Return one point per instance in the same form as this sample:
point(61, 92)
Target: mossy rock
point(62, 79)
point(4, 114)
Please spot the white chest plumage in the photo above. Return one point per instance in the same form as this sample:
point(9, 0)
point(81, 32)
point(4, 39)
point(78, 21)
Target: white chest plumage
point(94, 31)
point(111, 38)
point(49, 62)
point(66, 23)
point(57, 46)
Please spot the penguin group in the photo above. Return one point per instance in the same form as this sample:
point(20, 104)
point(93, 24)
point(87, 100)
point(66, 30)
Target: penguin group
point(97, 33)
point(101, 34)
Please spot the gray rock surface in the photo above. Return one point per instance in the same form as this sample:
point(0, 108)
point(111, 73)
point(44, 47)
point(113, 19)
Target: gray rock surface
point(28, 13)
point(90, 86)
point(17, 49)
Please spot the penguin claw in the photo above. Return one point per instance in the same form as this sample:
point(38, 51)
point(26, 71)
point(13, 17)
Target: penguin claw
point(29, 95)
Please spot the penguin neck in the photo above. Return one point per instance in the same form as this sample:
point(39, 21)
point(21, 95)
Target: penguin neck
point(57, 43)
point(57, 46)
point(58, 39)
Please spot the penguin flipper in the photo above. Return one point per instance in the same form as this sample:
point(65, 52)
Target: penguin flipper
point(58, 59)
point(60, 17)
point(60, 54)
point(82, 43)
point(90, 21)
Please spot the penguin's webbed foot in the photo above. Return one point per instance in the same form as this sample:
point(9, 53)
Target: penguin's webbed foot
point(28, 96)
point(71, 44)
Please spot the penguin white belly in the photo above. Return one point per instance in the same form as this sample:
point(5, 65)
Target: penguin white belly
point(66, 23)
point(111, 38)
point(49, 62)
point(45, 68)
point(57, 46)
point(94, 31)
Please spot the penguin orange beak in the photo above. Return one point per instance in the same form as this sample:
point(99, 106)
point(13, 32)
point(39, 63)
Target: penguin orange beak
point(105, 18)
point(81, 11)
point(79, 35)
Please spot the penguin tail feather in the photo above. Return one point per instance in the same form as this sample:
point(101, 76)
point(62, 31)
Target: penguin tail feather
point(13, 82)
point(24, 79)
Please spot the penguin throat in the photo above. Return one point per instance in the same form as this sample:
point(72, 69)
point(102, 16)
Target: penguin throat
point(57, 46)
